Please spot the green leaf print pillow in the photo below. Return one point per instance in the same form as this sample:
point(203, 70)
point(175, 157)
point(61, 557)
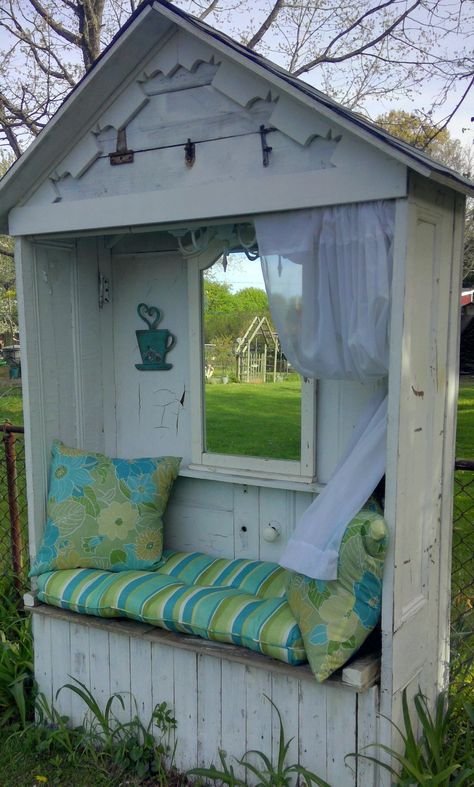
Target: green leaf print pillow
point(336, 616)
point(104, 513)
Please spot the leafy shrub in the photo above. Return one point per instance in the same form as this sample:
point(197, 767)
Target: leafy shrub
point(16, 665)
point(442, 755)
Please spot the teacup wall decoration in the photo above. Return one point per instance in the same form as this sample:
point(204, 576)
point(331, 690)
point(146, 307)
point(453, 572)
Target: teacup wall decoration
point(154, 342)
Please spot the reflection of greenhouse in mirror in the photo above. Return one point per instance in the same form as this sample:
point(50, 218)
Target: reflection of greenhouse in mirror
point(252, 396)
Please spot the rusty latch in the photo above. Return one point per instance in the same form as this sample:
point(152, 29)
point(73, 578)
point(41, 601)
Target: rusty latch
point(121, 155)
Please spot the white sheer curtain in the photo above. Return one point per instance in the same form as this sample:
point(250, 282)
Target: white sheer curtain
point(328, 275)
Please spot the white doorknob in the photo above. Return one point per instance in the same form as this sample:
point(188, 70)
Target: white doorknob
point(271, 532)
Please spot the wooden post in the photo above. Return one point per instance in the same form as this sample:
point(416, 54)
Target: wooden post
point(13, 508)
point(265, 363)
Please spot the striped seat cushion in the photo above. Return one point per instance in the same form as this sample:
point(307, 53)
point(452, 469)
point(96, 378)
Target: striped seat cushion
point(237, 601)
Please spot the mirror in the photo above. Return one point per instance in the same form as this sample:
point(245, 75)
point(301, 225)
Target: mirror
point(252, 396)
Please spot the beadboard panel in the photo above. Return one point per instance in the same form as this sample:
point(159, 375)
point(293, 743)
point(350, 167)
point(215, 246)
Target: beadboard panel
point(218, 703)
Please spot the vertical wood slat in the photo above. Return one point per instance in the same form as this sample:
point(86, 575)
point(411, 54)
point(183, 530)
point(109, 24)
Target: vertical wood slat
point(185, 707)
point(259, 711)
point(42, 635)
point(79, 668)
point(61, 643)
point(209, 722)
point(312, 727)
point(119, 645)
point(367, 772)
point(246, 521)
point(276, 508)
point(36, 451)
point(162, 684)
point(99, 659)
point(141, 678)
point(285, 697)
point(341, 736)
point(233, 734)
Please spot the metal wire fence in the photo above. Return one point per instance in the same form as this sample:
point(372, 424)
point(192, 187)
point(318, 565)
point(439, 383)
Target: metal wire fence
point(13, 508)
point(462, 573)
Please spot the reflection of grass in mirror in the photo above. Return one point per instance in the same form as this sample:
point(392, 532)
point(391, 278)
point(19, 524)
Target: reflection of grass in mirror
point(254, 419)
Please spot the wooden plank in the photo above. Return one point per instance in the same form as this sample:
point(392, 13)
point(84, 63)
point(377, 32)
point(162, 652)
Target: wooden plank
point(119, 670)
point(258, 687)
point(42, 656)
point(341, 720)
point(150, 417)
point(99, 658)
point(36, 449)
point(107, 352)
point(60, 664)
point(162, 683)
point(209, 699)
point(88, 350)
point(285, 696)
point(185, 707)
point(276, 509)
point(312, 739)
point(367, 704)
point(79, 669)
point(234, 732)
point(246, 523)
point(254, 195)
point(141, 678)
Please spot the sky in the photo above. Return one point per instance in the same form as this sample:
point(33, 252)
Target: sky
point(240, 273)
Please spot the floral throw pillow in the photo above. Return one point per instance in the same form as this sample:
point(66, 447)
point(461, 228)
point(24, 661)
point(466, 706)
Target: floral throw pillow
point(336, 616)
point(104, 513)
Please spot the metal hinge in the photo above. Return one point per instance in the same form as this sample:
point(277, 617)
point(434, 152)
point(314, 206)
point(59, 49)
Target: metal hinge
point(122, 155)
point(104, 290)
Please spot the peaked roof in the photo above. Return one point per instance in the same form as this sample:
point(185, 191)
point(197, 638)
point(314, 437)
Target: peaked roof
point(150, 22)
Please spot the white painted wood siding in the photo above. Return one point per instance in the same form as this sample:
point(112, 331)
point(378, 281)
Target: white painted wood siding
point(188, 91)
point(219, 703)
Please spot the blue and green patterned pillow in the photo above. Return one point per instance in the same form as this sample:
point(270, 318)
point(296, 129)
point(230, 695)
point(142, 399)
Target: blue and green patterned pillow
point(104, 513)
point(336, 616)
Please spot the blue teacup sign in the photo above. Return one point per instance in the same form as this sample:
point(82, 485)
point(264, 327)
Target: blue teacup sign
point(153, 342)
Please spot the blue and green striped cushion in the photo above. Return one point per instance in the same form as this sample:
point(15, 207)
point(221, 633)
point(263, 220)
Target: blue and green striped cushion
point(257, 577)
point(237, 601)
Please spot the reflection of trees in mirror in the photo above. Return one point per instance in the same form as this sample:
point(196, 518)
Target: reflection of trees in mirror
point(241, 346)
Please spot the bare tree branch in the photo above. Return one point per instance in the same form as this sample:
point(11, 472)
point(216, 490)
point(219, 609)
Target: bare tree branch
point(326, 58)
point(210, 8)
point(265, 26)
point(58, 28)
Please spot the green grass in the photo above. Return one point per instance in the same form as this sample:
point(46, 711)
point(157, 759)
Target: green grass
point(254, 419)
point(462, 573)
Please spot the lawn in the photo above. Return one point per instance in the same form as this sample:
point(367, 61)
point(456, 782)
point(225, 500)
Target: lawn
point(251, 419)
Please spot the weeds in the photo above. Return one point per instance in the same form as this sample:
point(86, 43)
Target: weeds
point(16, 666)
point(131, 746)
point(442, 756)
point(268, 774)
